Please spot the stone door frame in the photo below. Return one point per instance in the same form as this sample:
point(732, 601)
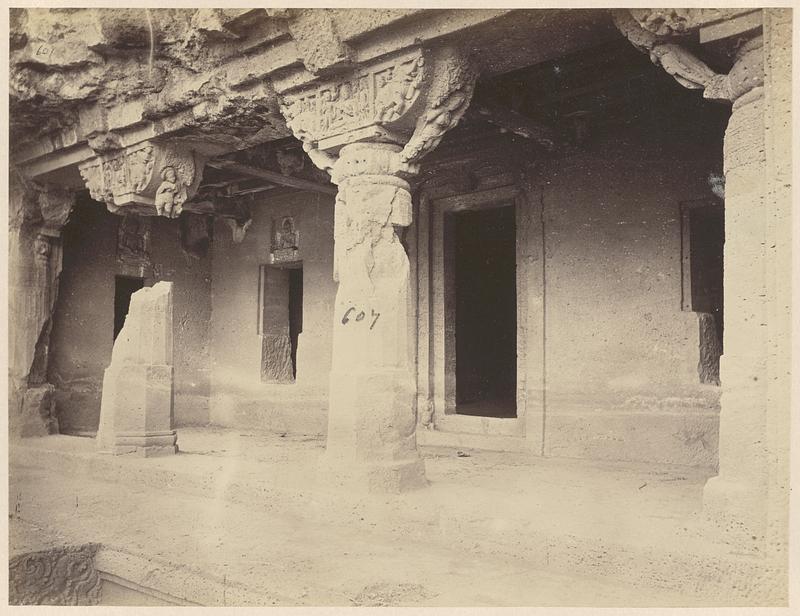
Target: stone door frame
point(436, 325)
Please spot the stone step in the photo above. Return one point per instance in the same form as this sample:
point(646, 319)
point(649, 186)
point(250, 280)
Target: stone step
point(468, 440)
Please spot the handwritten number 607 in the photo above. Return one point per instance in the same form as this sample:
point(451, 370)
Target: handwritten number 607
point(347, 318)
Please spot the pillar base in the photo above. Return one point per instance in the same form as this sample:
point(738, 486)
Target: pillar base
point(392, 477)
point(38, 416)
point(145, 445)
point(736, 508)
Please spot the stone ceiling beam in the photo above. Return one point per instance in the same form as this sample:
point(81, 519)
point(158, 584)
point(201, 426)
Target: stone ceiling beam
point(271, 176)
point(508, 119)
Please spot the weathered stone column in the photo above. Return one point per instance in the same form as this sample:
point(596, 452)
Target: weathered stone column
point(37, 215)
point(371, 423)
point(750, 494)
point(368, 130)
point(749, 498)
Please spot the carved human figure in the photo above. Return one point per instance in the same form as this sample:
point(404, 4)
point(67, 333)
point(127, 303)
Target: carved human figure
point(170, 194)
point(287, 237)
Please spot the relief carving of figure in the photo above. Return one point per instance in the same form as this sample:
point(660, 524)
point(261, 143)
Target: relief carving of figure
point(133, 238)
point(171, 194)
point(42, 248)
point(398, 91)
point(287, 236)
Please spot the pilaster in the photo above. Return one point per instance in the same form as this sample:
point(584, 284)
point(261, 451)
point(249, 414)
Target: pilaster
point(37, 216)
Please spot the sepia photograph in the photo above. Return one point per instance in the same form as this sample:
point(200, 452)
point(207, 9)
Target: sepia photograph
point(399, 306)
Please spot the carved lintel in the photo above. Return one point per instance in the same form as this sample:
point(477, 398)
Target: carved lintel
point(147, 178)
point(682, 22)
point(650, 32)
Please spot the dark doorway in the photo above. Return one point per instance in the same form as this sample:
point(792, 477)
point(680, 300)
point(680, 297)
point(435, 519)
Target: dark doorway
point(486, 312)
point(703, 245)
point(707, 241)
point(124, 287)
point(295, 312)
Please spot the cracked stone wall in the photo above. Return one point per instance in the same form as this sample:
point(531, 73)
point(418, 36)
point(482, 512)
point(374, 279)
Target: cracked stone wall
point(82, 337)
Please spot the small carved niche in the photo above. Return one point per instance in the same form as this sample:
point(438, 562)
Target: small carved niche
point(133, 240)
point(196, 232)
point(285, 241)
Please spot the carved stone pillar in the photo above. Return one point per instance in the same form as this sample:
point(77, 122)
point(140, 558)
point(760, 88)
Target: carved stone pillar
point(749, 497)
point(371, 423)
point(368, 130)
point(37, 215)
point(751, 493)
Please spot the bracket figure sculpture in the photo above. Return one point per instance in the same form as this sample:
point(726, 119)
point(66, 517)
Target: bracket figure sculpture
point(146, 178)
point(368, 129)
point(654, 32)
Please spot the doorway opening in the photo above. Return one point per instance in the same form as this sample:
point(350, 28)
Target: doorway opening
point(124, 287)
point(295, 312)
point(703, 241)
point(485, 312)
point(280, 321)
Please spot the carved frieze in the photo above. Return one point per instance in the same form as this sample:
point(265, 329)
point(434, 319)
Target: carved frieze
point(149, 177)
point(376, 95)
point(680, 22)
point(61, 576)
point(411, 100)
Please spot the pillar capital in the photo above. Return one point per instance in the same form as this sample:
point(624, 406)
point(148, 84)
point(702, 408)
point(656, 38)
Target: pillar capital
point(148, 178)
point(411, 99)
point(661, 33)
point(371, 160)
point(55, 205)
